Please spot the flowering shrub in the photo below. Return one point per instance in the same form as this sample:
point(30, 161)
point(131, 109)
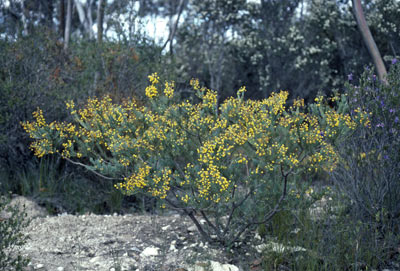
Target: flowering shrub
point(222, 163)
point(370, 170)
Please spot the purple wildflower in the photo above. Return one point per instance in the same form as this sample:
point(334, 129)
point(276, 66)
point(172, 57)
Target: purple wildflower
point(394, 61)
point(350, 76)
point(396, 119)
point(380, 125)
point(391, 110)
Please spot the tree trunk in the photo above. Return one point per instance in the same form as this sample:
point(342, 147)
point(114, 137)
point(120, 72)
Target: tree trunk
point(173, 28)
point(100, 19)
point(24, 19)
point(369, 41)
point(89, 19)
point(62, 19)
point(84, 18)
point(68, 24)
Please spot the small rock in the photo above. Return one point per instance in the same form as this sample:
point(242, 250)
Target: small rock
point(213, 266)
point(60, 268)
point(166, 227)
point(216, 266)
point(295, 231)
point(192, 228)
point(95, 259)
point(172, 248)
point(39, 266)
point(149, 251)
point(134, 249)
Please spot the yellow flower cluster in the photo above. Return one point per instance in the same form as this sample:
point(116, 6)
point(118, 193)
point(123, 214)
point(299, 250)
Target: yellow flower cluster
point(38, 115)
point(210, 99)
point(154, 78)
point(169, 89)
point(194, 83)
point(136, 180)
point(151, 91)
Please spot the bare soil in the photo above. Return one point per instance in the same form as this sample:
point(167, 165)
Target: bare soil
point(118, 242)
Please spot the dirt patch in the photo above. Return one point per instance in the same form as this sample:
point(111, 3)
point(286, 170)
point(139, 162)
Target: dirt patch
point(117, 242)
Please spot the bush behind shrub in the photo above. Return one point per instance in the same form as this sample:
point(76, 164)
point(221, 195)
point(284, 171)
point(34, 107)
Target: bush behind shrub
point(369, 172)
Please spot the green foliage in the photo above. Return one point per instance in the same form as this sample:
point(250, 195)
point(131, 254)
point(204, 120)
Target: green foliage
point(332, 240)
point(11, 237)
point(232, 163)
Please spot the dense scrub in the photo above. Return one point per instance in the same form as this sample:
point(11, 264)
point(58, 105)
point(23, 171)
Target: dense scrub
point(36, 71)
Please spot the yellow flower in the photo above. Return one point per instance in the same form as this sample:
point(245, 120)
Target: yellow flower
point(195, 84)
point(169, 89)
point(70, 104)
point(154, 78)
point(242, 90)
point(151, 91)
point(298, 103)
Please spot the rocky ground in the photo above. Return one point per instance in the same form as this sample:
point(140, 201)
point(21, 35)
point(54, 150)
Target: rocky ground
point(121, 242)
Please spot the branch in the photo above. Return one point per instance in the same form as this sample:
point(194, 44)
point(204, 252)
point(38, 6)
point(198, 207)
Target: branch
point(190, 213)
point(214, 227)
point(234, 207)
point(85, 166)
point(270, 214)
point(172, 32)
